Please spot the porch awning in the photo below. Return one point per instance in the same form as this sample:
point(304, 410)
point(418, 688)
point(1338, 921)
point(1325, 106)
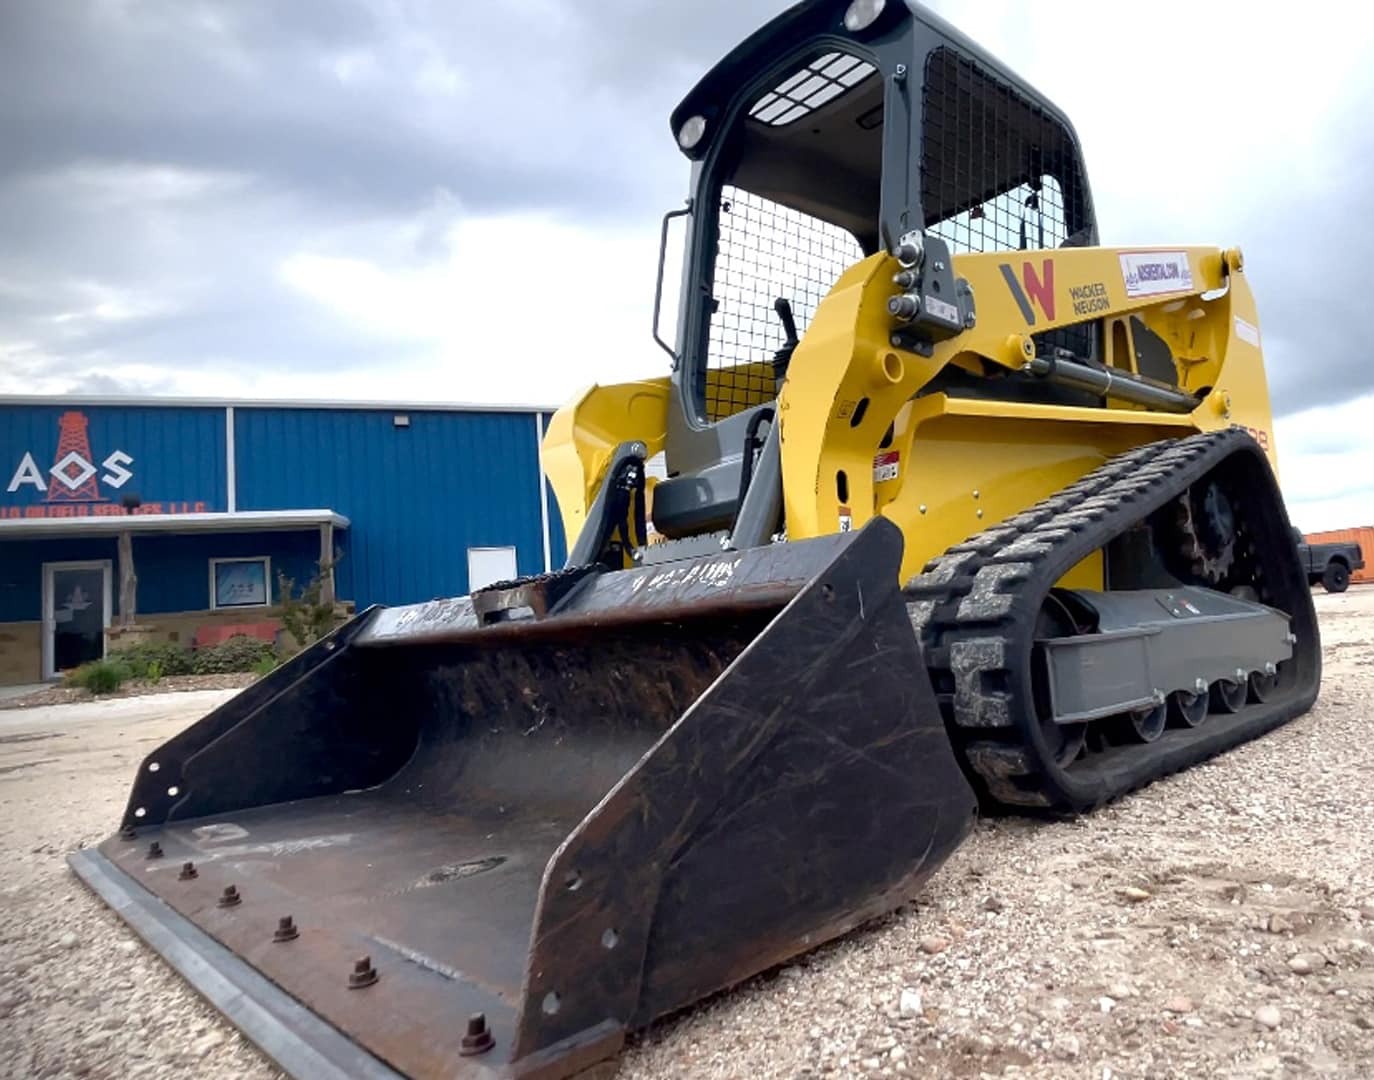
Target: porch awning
point(114, 524)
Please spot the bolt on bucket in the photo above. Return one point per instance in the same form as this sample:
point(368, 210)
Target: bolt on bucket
point(434, 847)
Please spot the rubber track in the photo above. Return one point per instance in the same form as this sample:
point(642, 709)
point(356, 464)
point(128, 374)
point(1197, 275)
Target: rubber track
point(975, 607)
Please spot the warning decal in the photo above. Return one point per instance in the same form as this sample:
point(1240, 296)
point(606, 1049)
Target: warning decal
point(886, 466)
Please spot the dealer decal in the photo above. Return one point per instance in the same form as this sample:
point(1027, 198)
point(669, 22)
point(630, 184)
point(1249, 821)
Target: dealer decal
point(1033, 288)
point(1152, 273)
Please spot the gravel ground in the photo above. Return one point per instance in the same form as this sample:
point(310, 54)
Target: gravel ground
point(1218, 923)
point(69, 695)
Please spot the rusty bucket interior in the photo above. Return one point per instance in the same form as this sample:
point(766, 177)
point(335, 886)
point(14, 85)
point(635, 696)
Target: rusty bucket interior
point(501, 848)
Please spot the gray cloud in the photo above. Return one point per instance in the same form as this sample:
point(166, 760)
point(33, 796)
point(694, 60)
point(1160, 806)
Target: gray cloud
point(167, 156)
point(163, 157)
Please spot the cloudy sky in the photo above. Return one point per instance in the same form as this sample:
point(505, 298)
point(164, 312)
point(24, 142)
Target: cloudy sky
point(459, 199)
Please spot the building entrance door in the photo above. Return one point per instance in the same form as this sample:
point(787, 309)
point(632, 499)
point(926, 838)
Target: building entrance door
point(76, 614)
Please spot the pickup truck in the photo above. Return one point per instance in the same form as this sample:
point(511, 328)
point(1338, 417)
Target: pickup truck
point(1331, 564)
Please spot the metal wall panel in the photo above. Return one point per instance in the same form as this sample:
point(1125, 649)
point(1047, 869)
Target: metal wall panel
point(173, 571)
point(21, 571)
point(418, 496)
point(558, 540)
point(172, 458)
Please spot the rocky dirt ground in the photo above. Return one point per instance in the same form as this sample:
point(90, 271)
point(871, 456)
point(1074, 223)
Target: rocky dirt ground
point(69, 695)
point(1219, 923)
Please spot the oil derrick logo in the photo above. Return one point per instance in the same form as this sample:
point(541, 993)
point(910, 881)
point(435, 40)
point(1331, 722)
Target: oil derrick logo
point(72, 471)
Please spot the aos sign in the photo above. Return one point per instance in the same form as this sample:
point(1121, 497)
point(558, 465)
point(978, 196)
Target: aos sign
point(77, 482)
point(72, 477)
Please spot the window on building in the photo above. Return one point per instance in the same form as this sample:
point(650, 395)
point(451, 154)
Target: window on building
point(236, 583)
point(488, 565)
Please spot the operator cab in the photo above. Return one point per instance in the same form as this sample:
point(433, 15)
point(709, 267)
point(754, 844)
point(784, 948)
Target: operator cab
point(886, 123)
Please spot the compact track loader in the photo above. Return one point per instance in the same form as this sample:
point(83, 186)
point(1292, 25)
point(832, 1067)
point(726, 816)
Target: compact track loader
point(941, 503)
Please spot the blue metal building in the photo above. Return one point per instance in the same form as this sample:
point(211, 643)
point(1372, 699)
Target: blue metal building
point(216, 500)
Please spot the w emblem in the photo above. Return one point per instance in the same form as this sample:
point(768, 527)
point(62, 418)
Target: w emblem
point(1032, 289)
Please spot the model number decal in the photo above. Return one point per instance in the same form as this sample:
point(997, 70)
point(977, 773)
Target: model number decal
point(716, 574)
point(1258, 434)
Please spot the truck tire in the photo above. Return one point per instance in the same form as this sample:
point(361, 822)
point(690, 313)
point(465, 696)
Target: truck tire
point(1336, 576)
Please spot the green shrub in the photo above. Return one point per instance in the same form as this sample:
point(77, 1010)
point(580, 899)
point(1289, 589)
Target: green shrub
point(265, 666)
point(238, 653)
point(170, 658)
point(100, 676)
point(306, 617)
point(154, 672)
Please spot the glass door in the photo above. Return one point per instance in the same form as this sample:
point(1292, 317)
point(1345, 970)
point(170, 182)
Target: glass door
point(76, 613)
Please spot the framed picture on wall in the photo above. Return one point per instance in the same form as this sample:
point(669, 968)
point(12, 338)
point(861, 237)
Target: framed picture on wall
point(236, 583)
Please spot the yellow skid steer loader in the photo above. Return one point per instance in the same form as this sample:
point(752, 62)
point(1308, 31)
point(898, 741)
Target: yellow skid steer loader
point(941, 502)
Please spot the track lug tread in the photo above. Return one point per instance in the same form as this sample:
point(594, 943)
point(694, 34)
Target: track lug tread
point(971, 607)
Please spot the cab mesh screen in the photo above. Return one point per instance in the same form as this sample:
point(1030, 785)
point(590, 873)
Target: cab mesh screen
point(997, 172)
point(764, 251)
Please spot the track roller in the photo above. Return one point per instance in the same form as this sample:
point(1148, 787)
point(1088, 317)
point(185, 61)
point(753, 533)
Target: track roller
point(1229, 696)
point(1148, 724)
point(1188, 710)
point(1263, 685)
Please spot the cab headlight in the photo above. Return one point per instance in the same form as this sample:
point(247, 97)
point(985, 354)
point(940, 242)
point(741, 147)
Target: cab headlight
point(862, 14)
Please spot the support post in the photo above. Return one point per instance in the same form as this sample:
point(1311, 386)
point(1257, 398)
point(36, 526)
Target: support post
point(327, 563)
point(128, 580)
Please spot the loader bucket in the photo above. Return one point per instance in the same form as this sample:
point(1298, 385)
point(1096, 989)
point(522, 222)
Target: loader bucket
point(569, 824)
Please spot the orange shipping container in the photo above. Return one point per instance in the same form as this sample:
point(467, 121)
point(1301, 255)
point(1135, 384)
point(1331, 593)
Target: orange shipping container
point(1362, 535)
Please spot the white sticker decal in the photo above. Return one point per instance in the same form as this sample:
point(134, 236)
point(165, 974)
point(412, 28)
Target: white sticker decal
point(886, 466)
point(1247, 331)
point(942, 309)
point(846, 520)
point(1151, 273)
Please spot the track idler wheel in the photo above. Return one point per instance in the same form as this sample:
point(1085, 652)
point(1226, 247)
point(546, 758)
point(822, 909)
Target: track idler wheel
point(1188, 710)
point(1063, 742)
point(1229, 695)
